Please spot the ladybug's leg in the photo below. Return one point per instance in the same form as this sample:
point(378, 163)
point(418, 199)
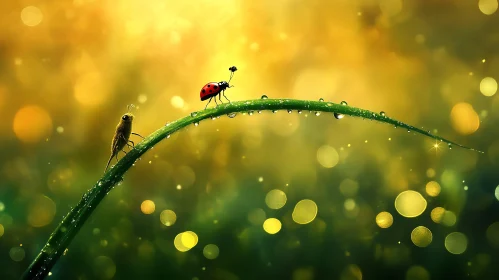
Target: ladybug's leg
point(223, 92)
point(216, 100)
point(208, 103)
point(220, 97)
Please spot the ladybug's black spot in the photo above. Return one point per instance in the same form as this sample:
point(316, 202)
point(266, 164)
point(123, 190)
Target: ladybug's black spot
point(203, 91)
point(211, 90)
point(215, 87)
point(208, 85)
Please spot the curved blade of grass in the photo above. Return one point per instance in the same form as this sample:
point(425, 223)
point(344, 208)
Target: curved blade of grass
point(60, 239)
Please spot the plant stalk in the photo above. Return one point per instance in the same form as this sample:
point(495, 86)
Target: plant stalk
point(67, 229)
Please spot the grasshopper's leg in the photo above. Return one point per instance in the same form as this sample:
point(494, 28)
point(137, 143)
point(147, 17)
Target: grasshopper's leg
point(138, 135)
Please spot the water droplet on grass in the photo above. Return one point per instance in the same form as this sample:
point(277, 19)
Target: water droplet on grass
point(344, 103)
point(321, 99)
point(290, 111)
point(196, 123)
point(265, 96)
point(317, 113)
point(193, 114)
point(338, 116)
point(382, 113)
point(231, 115)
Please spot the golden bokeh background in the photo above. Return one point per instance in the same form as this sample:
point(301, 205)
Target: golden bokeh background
point(272, 195)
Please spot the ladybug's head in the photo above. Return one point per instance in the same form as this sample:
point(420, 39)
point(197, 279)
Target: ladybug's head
point(223, 85)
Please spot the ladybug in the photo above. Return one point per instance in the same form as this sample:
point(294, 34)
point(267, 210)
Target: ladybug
point(213, 89)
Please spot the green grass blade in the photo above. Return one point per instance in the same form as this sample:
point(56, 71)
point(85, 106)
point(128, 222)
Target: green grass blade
point(67, 229)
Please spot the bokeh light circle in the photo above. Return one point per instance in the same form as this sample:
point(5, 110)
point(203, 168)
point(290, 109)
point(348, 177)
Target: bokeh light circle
point(275, 199)
point(327, 156)
point(305, 211)
point(185, 241)
point(168, 217)
point(410, 204)
point(464, 118)
point(351, 272)
point(104, 267)
point(421, 236)
point(31, 16)
point(257, 216)
point(17, 254)
point(456, 243)
point(41, 211)
point(417, 272)
point(492, 234)
point(272, 225)
point(211, 251)
point(384, 220)
point(147, 207)
point(32, 123)
point(437, 214)
point(433, 188)
point(488, 86)
point(488, 7)
point(449, 218)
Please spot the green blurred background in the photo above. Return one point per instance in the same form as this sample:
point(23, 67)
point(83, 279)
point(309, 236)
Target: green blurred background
point(270, 196)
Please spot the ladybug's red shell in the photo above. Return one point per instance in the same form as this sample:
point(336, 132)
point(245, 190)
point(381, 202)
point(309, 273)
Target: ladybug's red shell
point(209, 90)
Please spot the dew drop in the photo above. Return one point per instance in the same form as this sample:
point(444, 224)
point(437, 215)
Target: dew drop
point(408, 130)
point(100, 184)
point(213, 118)
point(250, 113)
point(231, 115)
point(290, 111)
point(274, 111)
point(259, 112)
point(321, 99)
point(450, 146)
point(299, 111)
point(265, 97)
point(168, 136)
point(338, 116)
point(193, 114)
point(317, 113)
point(382, 113)
point(344, 103)
point(196, 123)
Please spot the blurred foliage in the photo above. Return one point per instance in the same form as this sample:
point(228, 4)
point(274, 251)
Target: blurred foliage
point(70, 68)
